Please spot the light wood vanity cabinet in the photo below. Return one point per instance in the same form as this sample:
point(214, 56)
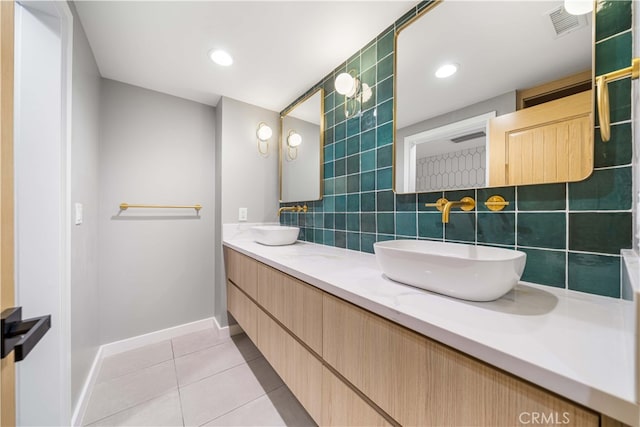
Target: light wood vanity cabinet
point(348, 366)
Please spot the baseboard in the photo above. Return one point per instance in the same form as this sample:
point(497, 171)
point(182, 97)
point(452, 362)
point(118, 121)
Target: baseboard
point(132, 343)
point(232, 330)
point(85, 393)
point(156, 337)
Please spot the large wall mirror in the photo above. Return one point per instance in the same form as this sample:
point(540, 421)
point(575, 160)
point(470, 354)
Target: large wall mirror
point(302, 130)
point(517, 107)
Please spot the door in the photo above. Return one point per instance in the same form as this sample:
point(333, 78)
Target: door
point(7, 374)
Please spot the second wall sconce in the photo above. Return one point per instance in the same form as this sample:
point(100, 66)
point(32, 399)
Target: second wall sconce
point(263, 135)
point(355, 92)
point(294, 139)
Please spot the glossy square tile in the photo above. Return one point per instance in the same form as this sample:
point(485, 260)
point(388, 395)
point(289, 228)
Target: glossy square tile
point(386, 201)
point(340, 184)
point(617, 151)
point(329, 238)
point(353, 183)
point(340, 167)
point(353, 202)
point(385, 44)
point(385, 222)
point(340, 221)
point(368, 202)
point(353, 222)
point(368, 222)
point(368, 181)
point(545, 267)
point(385, 113)
point(353, 145)
point(368, 58)
point(424, 198)
point(600, 232)
point(318, 236)
point(366, 242)
point(608, 189)
point(220, 394)
point(340, 203)
point(613, 54)
point(328, 220)
point(385, 156)
point(406, 224)
point(340, 238)
point(134, 360)
point(595, 274)
point(368, 120)
point(546, 197)
point(461, 227)
point(384, 179)
point(542, 230)
point(340, 129)
point(406, 202)
point(369, 76)
point(430, 225)
point(384, 89)
point(353, 164)
point(353, 241)
point(497, 227)
point(353, 126)
point(368, 140)
point(384, 134)
point(613, 16)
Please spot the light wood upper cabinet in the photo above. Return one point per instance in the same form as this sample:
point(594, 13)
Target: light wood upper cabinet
point(421, 382)
point(295, 304)
point(550, 142)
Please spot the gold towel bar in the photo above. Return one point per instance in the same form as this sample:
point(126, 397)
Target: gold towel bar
point(125, 206)
point(602, 83)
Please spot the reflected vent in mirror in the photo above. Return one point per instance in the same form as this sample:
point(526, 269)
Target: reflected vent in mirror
point(563, 22)
point(468, 137)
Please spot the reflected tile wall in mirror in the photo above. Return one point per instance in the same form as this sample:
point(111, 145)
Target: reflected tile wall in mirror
point(572, 233)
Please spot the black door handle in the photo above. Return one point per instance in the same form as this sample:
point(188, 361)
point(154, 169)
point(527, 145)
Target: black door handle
point(21, 335)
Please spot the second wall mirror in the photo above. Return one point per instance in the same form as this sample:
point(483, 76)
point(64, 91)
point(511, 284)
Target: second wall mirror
point(511, 103)
point(301, 148)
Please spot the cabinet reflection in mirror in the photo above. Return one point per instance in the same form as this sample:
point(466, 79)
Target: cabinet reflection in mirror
point(301, 143)
point(504, 99)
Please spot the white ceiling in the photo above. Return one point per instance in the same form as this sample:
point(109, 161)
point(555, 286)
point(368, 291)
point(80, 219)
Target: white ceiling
point(280, 48)
point(500, 46)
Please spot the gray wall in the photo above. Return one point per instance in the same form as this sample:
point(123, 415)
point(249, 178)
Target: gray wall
point(501, 104)
point(84, 189)
point(301, 177)
point(246, 179)
point(156, 265)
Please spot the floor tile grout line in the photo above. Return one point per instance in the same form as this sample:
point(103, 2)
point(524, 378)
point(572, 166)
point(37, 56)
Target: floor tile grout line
point(244, 404)
point(175, 371)
point(133, 372)
point(224, 341)
point(245, 362)
point(131, 407)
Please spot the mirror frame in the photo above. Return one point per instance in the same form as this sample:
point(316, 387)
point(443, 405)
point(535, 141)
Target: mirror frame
point(419, 15)
point(288, 110)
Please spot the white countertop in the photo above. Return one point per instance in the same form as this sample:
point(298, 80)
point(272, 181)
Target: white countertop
point(577, 345)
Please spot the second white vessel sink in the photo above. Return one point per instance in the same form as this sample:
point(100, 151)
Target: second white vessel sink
point(275, 235)
point(470, 272)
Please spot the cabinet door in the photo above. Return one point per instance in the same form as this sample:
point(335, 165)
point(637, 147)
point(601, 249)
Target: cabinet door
point(243, 310)
point(300, 370)
point(418, 381)
point(341, 406)
point(295, 304)
point(550, 142)
point(242, 271)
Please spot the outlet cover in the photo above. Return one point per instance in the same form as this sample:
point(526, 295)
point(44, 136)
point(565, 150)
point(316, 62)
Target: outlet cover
point(242, 214)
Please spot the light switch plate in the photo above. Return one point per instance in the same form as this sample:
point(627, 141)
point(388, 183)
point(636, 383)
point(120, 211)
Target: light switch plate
point(78, 215)
point(242, 214)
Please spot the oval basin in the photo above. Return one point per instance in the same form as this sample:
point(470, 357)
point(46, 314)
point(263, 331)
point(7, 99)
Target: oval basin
point(275, 235)
point(470, 272)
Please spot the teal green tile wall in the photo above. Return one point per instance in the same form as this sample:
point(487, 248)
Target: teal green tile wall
point(572, 233)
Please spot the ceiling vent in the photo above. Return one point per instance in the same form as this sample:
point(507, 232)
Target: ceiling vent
point(468, 137)
point(563, 22)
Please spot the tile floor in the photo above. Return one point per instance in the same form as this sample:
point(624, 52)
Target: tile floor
point(192, 380)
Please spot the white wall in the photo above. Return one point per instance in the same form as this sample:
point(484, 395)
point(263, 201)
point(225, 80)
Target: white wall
point(246, 179)
point(156, 266)
point(43, 390)
point(84, 189)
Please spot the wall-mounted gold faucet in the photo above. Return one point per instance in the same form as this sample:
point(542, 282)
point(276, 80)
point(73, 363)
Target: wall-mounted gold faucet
point(293, 209)
point(444, 206)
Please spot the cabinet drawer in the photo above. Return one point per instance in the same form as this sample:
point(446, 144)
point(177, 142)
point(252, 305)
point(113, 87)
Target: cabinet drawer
point(242, 271)
point(243, 310)
point(341, 406)
point(300, 370)
point(421, 382)
point(295, 304)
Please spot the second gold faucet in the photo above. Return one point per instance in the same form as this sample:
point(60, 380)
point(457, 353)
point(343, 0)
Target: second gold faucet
point(444, 206)
point(293, 209)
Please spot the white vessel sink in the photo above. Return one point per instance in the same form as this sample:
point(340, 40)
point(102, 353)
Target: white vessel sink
point(275, 235)
point(474, 273)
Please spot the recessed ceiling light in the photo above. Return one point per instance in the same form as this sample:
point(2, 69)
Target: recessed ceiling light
point(446, 70)
point(220, 57)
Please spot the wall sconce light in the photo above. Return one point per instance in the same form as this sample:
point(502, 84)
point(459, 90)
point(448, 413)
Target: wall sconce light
point(294, 139)
point(263, 135)
point(355, 93)
point(578, 7)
